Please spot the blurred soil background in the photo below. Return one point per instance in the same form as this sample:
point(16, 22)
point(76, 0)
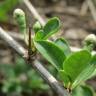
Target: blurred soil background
point(77, 21)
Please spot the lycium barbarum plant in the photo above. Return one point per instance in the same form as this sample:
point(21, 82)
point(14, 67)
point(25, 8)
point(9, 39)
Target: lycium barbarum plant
point(73, 67)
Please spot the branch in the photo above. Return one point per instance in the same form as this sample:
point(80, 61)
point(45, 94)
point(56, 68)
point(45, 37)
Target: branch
point(92, 9)
point(34, 11)
point(54, 84)
point(16, 35)
point(84, 8)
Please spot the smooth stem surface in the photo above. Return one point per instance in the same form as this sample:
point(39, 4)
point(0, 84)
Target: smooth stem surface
point(34, 11)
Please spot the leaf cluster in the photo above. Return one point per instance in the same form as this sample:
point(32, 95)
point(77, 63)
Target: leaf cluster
point(73, 67)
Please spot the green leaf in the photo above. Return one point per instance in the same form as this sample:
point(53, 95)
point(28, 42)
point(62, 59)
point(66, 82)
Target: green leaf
point(37, 27)
point(63, 45)
point(51, 52)
point(87, 72)
point(76, 63)
point(51, 27)
point(39, 35)
point(82, 91)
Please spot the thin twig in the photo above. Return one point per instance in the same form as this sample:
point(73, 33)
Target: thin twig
point(16, 35)
point(34, 11)
point(92, 9)
point(54, 84)
point(30, 38)
point(29, 47)
point(11, 42)
point(84, 8)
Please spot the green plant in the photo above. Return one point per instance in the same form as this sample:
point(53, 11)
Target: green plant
point(70, 65)
point(73, 67)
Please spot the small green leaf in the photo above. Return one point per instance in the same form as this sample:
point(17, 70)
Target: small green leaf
point(63, 45)
point(37, 27)
point(51, 27)
point(39, 35)
point(76, 63)
point(51, 52)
